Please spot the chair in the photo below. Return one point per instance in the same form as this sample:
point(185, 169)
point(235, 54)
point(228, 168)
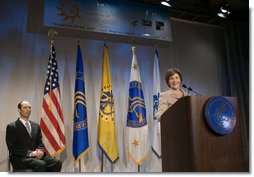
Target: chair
point(11, 169)
point(19, 170)
point(22, 170)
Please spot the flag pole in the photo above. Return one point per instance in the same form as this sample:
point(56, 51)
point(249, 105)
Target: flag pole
point(156, 46)
point(52, 33)
point(101, 161)
point(133, 42)
point(140, 115)
point(79, 165)
point(105, 40)
point(79, 162)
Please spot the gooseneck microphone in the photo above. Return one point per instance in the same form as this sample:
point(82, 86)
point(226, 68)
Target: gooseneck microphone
point(184, 86)
point(190, 90)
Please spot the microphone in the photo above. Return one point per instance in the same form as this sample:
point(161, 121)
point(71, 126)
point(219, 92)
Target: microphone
point(184, 86)
point(190, 90)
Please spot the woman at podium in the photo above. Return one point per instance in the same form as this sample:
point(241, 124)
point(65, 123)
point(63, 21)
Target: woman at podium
point(173, 79)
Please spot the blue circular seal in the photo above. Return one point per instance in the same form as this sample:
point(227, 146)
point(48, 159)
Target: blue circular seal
point(220, 115)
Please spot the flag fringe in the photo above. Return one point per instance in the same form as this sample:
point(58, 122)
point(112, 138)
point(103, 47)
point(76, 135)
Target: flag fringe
point(59, 151)
point(138, 162)
point(104, 152)
point(81, 155)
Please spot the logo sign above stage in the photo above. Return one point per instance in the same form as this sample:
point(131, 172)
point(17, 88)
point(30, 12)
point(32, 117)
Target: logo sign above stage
point(220, 115)
point(118, 17)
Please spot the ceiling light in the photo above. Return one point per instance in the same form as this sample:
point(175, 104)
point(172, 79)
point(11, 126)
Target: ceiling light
point(224, 10)
point(146, 34)
point(165, 3)
point(221, 15)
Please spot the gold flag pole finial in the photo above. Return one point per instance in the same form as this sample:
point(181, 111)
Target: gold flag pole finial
point(52, 33)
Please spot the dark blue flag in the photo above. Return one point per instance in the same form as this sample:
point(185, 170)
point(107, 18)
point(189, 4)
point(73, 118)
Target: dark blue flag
point(80, 128)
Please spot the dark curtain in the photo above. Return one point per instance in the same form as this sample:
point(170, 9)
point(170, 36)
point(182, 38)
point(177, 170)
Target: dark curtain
point(237, 69)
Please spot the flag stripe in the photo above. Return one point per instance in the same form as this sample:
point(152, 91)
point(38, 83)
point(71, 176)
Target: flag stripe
point(55, 97)
point(59, 116)
point(59, 110)
point(54, 126)
point(46, 150)
point(50, 150)
point(49, 137)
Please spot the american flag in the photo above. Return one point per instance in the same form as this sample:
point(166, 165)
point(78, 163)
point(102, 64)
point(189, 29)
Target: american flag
point(52, 123)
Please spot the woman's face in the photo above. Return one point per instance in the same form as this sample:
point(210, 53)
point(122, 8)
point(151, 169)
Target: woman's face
point(174, 81)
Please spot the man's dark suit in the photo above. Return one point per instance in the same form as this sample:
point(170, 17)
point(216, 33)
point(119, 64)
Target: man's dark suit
point(21, 144)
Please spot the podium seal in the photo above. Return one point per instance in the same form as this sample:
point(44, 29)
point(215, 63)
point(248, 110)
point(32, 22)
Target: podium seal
point(220, 115)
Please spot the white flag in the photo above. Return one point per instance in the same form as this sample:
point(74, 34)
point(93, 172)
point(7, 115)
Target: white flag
point(156, 144)
point(138, 147)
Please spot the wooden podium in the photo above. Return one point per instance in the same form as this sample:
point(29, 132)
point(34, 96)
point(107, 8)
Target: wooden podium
point(189, 145)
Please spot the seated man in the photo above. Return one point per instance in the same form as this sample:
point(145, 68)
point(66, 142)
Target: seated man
point(24, 141)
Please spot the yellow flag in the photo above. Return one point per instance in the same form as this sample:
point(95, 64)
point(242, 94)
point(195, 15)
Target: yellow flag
point(106, 126)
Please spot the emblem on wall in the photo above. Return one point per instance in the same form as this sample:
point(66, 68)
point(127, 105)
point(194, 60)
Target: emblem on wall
point(69, 10)
point(220, 115)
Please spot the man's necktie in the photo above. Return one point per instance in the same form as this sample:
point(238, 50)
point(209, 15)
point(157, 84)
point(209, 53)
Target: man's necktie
point(28, 128)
